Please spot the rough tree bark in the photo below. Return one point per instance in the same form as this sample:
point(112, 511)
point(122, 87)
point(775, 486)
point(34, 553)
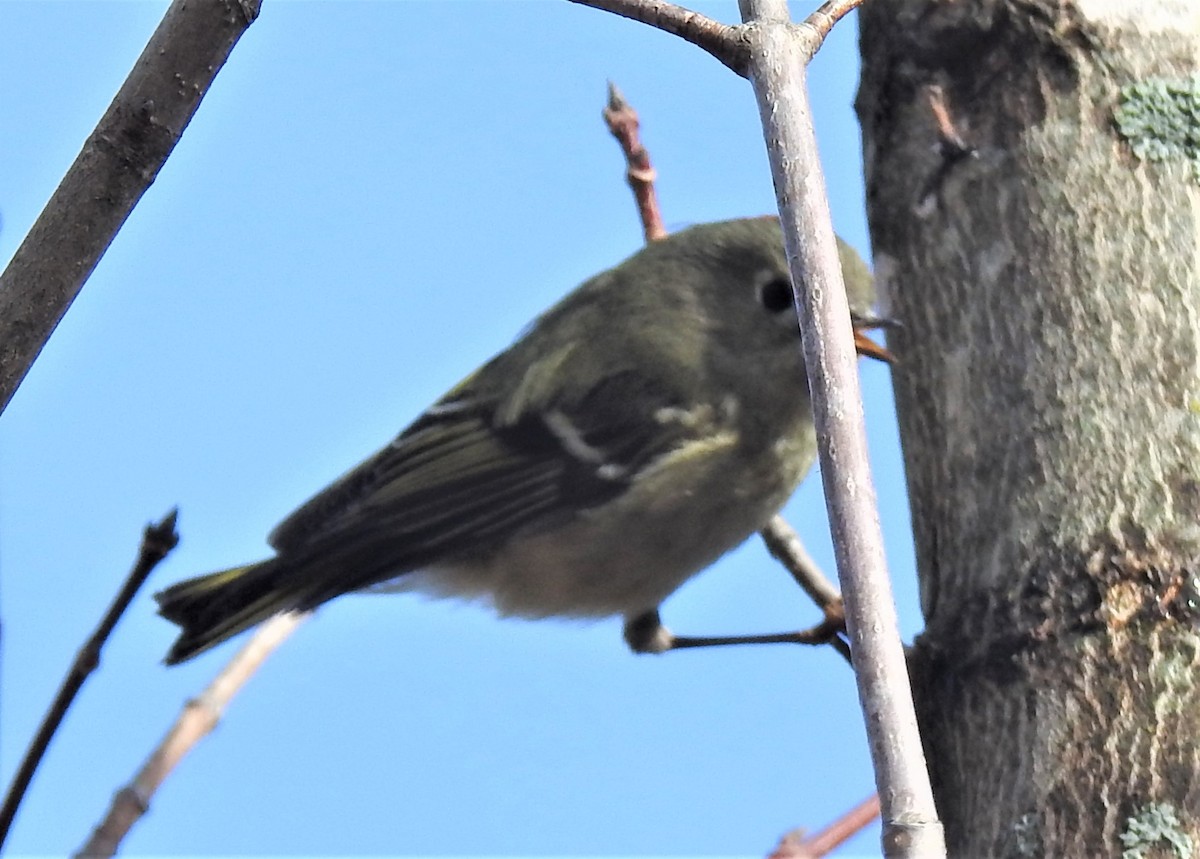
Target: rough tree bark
point(1049, 401)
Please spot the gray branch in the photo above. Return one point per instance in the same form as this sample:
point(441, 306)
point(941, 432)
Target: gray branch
point(721, 40)
point(779, 55)
point(115, 167)
point(776, 63)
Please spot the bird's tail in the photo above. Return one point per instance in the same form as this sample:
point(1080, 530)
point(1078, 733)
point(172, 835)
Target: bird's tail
point(210, 609)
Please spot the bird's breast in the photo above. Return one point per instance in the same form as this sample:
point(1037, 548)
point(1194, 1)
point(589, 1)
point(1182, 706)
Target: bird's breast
point(678, 515)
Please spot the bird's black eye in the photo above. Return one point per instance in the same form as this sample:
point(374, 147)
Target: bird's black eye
point(776, 295)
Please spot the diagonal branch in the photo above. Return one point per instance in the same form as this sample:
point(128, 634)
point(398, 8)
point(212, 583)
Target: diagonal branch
point(785, 546)
point(200, 715)
point(823, 19)
point(796, 845)
point(157, 541)
point(723, 41)
point(118, 162)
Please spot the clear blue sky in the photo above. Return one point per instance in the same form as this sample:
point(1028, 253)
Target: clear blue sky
point(373, 198)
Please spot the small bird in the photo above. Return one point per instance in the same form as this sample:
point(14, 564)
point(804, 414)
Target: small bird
point(651, 421)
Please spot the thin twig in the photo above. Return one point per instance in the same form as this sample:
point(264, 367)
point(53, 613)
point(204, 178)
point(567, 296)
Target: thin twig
point(823, 19)
point(824, 632)
point(157, 541)
point(795, 845)
point(842, 829)
point(200, 715)
point(723, 41)
point(785, 546)
point(622, 121)
point(116, 165)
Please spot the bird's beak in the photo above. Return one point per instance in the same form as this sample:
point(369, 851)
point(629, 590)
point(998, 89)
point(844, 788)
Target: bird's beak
point(864, 345)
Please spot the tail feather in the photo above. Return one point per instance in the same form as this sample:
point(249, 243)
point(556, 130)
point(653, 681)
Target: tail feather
point(213, 608)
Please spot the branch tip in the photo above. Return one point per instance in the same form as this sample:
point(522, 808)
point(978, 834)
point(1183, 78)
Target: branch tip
point(623, 124)
point(616, 99)
point(157, 541)
point(161, 537)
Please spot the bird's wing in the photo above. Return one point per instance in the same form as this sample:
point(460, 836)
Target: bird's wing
point(470, 473)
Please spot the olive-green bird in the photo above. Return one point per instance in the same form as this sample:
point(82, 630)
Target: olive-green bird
point(645, 425)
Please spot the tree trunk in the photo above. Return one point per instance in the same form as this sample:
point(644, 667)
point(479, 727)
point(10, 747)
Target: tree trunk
point(1049, 403)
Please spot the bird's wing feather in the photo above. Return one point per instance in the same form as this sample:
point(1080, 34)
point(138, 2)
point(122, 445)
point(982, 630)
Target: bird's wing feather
point(470, 473)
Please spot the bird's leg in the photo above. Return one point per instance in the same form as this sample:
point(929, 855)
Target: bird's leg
point(645, 633)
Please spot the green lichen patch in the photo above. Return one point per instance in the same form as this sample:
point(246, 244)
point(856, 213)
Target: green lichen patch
point(1156, 831)
point(1160, 119)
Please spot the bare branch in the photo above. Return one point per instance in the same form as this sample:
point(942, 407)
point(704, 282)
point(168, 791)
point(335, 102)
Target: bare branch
point(157, 541)
point(778, 72)
point(115, 167)
point(645, 633)
point(795, 845)
point(622, 121)
point(785, 546)
point(723, 41)
point(823, 19)
point(826, 632)
point(200, 715)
